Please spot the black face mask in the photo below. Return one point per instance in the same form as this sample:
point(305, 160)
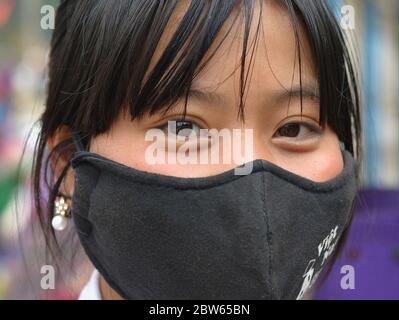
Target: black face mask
point(265, 235)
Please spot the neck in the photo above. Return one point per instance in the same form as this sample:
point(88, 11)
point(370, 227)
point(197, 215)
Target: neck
point(107, 293)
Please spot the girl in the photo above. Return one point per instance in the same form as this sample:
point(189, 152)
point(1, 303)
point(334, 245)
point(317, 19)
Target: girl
point(119, 70)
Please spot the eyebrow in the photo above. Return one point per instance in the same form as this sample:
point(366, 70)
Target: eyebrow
point(306, 92)
point(215, 98)
point(208, 97)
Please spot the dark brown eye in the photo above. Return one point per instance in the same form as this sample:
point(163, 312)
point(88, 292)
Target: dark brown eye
point(183, 128)
point(290, 130)
point(297, 130)
point(184, 125)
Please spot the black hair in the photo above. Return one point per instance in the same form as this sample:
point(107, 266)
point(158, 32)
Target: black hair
point(99, 66)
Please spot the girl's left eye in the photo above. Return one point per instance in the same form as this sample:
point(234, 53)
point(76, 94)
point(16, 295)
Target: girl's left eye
point(296, 130)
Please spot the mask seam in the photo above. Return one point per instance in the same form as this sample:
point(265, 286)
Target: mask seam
point(100, 174)
point(268, 237)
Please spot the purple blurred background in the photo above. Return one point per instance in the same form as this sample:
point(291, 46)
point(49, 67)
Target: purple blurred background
point(372, 248)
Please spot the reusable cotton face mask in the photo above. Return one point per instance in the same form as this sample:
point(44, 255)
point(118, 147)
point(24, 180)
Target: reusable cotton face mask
point(265, 235)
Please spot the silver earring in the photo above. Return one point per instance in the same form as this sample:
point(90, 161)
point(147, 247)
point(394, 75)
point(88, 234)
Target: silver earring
point(61, 214)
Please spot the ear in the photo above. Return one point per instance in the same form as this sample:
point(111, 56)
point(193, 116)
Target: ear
point(59, 158)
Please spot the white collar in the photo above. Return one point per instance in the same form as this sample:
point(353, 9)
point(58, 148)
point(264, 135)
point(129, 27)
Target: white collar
point(91, 290)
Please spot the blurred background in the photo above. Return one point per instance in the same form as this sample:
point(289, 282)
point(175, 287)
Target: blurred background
point(373, 244)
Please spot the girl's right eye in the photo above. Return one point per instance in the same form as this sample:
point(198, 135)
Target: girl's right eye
point(183, 128)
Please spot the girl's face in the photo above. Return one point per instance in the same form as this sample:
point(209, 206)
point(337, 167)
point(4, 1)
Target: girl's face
point(282, 132)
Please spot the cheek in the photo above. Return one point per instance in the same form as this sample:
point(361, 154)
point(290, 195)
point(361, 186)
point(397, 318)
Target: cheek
point(325, 166)
point(320, 165)
point(130, 150)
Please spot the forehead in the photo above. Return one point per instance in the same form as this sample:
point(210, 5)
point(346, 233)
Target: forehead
point(272, 58)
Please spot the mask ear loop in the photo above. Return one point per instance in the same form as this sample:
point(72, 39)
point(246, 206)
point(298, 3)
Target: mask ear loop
point(342, 145)
point(62, 206)
point(77, 140)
